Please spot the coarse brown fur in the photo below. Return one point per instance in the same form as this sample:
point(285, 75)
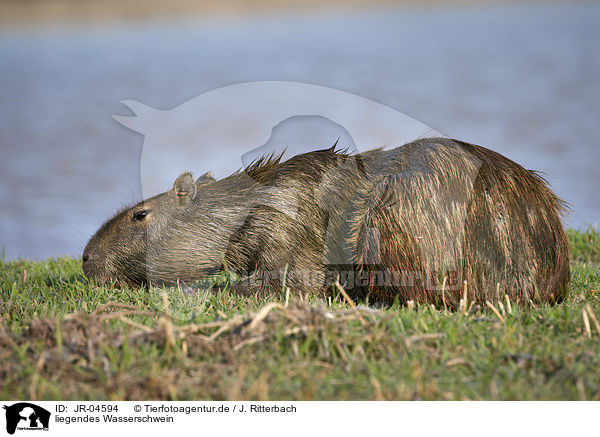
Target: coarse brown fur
point(393, 224)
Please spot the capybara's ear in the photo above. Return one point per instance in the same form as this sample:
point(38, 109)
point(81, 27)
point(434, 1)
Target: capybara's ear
point(184, 188)
point(206, 178)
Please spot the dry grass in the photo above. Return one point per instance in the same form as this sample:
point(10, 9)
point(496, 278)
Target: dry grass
point(62, 337)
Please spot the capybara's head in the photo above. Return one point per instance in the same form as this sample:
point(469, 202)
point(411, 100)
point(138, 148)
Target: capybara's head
point(122, 250)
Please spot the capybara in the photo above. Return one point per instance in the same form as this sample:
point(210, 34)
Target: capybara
point(434, 215)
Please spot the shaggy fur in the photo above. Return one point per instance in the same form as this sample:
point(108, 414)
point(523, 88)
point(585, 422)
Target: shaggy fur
point(393, 224)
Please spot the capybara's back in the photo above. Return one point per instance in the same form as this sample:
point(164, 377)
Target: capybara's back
point(444, 215)
point(521, 233)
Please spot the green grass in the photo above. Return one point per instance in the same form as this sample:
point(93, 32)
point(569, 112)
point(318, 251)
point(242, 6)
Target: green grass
point(63, 337)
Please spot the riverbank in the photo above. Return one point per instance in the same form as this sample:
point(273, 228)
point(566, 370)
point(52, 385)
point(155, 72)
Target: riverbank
point(17, 13)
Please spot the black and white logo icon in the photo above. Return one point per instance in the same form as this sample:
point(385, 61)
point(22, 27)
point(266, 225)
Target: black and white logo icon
point(26, 416)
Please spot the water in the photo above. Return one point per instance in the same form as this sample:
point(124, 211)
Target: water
point(522, 80)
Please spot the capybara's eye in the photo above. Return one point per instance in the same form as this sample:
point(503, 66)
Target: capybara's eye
point(141, 215)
